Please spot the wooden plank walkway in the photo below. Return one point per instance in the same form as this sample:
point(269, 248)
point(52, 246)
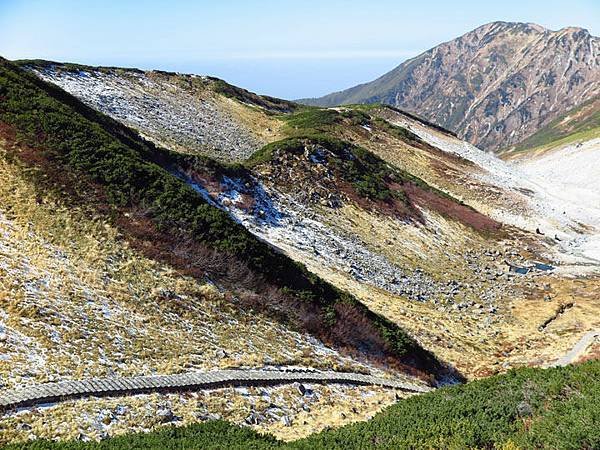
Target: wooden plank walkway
point(119, 386)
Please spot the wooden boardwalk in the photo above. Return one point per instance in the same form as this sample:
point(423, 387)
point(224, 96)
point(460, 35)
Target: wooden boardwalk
point(119, 386)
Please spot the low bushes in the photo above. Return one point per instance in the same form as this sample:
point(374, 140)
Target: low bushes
point(526, 408)
point(132, 173)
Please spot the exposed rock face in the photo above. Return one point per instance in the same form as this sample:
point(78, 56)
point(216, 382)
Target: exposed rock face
point(494, 86)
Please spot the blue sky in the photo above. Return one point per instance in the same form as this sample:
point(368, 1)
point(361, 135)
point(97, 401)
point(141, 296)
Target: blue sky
point(287, 49)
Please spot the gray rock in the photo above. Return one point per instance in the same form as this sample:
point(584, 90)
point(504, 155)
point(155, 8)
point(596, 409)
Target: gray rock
point(255, 418)
point(165, 415)
point(286, 421)
point(524, 409)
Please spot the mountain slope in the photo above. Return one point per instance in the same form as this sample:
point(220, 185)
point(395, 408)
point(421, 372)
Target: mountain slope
point(110, 264)
point(124, 171)
point(579, 124)
point(415, 222)
point(566, 156)
point(495, 86)
point(423, 228)
point(192, 114)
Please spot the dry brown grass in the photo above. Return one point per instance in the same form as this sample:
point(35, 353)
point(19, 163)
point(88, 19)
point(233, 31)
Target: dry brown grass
point(479, 347)
point(76, 300)
point(328, 406)
point(267, 128)
point(476, 342)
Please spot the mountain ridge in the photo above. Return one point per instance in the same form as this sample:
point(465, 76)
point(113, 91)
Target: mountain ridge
point(423, 229)
point(510, 94)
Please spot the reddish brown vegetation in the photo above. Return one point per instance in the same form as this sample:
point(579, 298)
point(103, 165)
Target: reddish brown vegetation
point(210, 182)
point(352, 332)
point(449, 208)
point(214, 187)
point(593, 353)
point(393, 207)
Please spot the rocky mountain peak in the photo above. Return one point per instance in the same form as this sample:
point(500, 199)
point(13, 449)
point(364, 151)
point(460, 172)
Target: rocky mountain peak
point(501, 26)
point(494, 86)
point(576, 31)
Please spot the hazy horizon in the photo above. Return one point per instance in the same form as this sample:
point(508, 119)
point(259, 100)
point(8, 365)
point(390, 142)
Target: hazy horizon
point(255, 44)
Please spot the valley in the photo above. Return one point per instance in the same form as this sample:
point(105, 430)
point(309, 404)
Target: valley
point(450, 282)
point(164, 225)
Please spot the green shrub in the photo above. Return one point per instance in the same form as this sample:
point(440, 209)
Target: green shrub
point(133, 172)
point(399, 132)
point(270, 104)
point(215, 435)
point(311, 119)
point(530, 408)
point(526, 408)
point(370, 175)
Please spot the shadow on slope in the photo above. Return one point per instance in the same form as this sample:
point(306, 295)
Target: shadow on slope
point(94, 160)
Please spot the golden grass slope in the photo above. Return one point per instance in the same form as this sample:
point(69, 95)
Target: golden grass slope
point(288, 414)
point(76, 301)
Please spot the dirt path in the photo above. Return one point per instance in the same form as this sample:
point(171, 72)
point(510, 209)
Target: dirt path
point(118, 386)
point(578, 349)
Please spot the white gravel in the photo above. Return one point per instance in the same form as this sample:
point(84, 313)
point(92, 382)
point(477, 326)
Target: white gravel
point(560, 191)
point(163, 112)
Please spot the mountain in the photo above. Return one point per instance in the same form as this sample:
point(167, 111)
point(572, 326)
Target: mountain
point(196, 225)
point(577, 125)
point(111, 264)
point(494, 86)
point(409, 218)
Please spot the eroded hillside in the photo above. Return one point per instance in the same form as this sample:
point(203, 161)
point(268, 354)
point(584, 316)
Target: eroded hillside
point(110, 265)
point(465, 251)
point(186, 113)
point(78, 301)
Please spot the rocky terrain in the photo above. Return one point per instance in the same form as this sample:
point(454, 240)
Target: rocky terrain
point(288, 411)
point(79, 299)
point(445, 272)
point(576, 126)
point(183, 113)
point(486, 263)
point(77, 302)
point(495, 86)
point(66, 279)
point(547, 203)
point(565, 155)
